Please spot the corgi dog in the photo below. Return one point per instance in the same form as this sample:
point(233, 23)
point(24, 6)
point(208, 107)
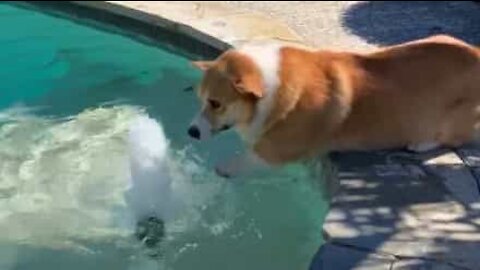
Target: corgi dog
point(290, 103)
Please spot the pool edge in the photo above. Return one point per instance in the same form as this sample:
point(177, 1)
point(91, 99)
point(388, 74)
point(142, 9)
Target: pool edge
point(155, 20)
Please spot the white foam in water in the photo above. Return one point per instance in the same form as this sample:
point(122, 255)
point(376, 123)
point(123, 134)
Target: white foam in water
point(63, 185)
point(150, 190)
point(62, 180)
point(71, 192)
point(161, 182)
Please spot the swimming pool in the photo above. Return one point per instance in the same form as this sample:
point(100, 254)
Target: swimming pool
point(69, 95)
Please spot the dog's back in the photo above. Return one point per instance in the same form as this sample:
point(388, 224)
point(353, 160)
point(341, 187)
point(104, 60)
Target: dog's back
point(420, 92)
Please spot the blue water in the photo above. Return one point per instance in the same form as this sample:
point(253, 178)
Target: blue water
point(67, 95)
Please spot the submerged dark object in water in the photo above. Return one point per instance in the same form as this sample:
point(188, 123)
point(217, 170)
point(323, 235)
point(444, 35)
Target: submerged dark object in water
point(189, 89)
point(150, 231)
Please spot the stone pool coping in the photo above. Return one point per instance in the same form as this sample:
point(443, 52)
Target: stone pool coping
point(394, 210)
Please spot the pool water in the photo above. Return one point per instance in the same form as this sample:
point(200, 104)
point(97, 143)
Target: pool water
point(69, 97)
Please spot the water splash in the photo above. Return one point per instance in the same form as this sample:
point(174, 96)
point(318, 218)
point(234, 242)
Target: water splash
point(61, 179)
point(150, 194)
point(72, 190)
point(150, 191)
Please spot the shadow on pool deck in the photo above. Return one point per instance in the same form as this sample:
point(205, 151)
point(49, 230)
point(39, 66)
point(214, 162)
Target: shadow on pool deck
point(398, 214)
point(387, 23)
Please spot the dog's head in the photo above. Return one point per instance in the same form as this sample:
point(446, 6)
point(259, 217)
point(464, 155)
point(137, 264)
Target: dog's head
point(230, 87)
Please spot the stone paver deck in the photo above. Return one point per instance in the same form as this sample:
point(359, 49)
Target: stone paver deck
point(399, 207)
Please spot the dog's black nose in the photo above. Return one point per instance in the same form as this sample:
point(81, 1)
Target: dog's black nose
point(194, 132)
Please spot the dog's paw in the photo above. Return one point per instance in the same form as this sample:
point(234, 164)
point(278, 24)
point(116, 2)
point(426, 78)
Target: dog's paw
point(224, 170)
point(239, 166)
point(227, 169)
point(221, 173)
point(422, 147)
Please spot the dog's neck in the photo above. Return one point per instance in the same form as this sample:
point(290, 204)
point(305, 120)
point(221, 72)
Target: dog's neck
point(267, 58)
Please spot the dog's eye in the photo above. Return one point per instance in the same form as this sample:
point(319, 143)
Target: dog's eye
point(214, 104)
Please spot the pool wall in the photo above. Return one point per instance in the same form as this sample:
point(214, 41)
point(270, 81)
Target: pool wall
point(146, 28)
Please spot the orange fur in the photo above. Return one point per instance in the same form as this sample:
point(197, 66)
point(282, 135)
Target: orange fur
point(417, 92)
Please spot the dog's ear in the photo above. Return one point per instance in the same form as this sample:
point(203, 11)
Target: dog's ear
point(202, 65)
point(244, 76)
point(248, 84)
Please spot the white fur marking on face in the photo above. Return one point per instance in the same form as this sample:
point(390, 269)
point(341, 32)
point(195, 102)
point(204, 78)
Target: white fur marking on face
point(203, 126)
point(267, 58)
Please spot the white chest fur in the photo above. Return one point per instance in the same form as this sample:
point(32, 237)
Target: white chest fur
point(267, 58)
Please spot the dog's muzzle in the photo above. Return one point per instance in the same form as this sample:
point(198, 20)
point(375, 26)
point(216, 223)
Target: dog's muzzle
point(195, 133)
point(224, 128)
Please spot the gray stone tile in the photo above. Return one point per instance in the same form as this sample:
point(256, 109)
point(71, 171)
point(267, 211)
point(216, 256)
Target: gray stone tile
point(471, 156)
point(458, 178)
point(408, 211)
point(416, 264)
point(333, 257)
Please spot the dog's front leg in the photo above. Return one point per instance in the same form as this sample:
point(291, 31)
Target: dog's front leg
point(240, 165)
